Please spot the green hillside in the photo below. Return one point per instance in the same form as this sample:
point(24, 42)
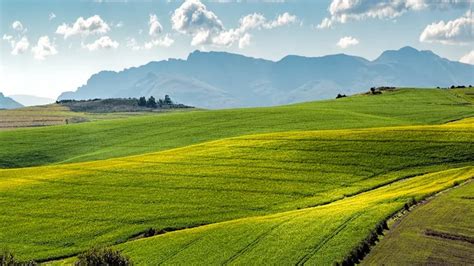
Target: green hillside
point(439, 232)
point(313, 236)
point(131, 136)
point(54, 211)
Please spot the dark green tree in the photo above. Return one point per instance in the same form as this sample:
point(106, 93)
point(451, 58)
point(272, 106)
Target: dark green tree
point(168, 100)
point(151, 103)
point(142, 101)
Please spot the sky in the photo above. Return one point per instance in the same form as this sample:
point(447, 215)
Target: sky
point(52, 46)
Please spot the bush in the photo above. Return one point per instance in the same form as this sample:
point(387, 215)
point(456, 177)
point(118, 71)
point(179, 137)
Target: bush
point(102, 256)
point(8, 259)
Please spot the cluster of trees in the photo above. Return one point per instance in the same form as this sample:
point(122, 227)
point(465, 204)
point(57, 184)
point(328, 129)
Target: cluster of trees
point(153, 103)
point(340, 96)
point(460, 87)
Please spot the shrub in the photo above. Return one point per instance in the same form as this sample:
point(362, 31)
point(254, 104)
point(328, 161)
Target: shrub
point(8, 259)
point(150, 232)
point(102, 256)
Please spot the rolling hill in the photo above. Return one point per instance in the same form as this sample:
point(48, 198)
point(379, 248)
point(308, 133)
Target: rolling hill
point(223, 80)
point(122, 137)
point(297, 184)
point(55, 211)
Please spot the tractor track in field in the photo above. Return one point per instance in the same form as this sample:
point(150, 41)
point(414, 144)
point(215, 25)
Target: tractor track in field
point(253, 243)
point(316, 248)
point(184, 247)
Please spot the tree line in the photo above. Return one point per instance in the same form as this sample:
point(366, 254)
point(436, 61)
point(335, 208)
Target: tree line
point(153, 103)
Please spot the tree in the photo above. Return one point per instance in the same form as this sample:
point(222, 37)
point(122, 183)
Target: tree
point(142, 101)
point(168, 100)
point(151, 103)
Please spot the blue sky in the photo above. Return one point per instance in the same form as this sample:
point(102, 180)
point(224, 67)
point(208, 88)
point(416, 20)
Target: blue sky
point(46, 47)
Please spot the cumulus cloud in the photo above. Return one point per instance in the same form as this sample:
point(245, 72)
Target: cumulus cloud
point(458, 31)
point(281, 20)
point(19, 45)
point(52, 16)
point(165, 41)
point(342, 11)
point(17, 26)
point(194, 19)
point(155, 25)
point(244, 41)
point(347, 41)
point(468, 58)
point(44, 48)
point(91, 25)
point(104, 42)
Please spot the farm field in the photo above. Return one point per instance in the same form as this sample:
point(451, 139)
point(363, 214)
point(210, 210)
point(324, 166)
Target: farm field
point(132, 136)
point(71, 207)
point(438, 232)
point(297, 184)
point(53, 115)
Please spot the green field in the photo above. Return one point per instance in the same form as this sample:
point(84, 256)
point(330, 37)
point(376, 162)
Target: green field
point(296, 184)
point(450, 216)
point(122, 137)
point(70, 207)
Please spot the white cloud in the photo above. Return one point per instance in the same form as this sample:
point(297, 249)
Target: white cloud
point(17, 26)
point(20, 46)
point(92, 25)
point(44, 48)
point(244, 41)
point(194, 19)
point(7, 38)
point(347, 41)
point(155, 25)
point(132, 43)
point(281, 20)
point(342, 11)
point(468, 58)
point(165, 41)
point(52, 16)
point(103, 42)
point(458, 31)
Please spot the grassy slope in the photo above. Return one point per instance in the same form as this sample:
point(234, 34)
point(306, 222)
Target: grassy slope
point(407, 243)
point(314, 236)
point(70, 207)
point(108, 139)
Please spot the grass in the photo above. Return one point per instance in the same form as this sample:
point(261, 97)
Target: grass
point(59, 210)
point(131, 136)
point(450, 216)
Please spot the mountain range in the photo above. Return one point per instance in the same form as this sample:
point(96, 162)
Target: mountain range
point(224, 80)
point(8, 103)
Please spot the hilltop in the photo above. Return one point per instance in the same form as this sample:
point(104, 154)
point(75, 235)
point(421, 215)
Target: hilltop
point(223, 80)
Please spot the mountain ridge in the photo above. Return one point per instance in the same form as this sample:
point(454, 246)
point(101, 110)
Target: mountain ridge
point(8, 103)
point(224, 80)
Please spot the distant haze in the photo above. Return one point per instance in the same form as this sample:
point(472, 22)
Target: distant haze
point(30, 100)
point(224, 80)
